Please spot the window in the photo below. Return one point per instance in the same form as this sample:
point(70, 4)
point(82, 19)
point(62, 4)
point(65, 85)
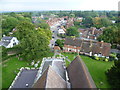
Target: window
point(14, 44)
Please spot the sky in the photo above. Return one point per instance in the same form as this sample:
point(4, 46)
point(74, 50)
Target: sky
point(34, 5)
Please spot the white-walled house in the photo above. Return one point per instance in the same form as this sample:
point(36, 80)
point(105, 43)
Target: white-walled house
point(61, 31)
point(9, 42)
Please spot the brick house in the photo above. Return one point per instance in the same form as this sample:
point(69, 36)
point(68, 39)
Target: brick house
point(87, 47)
point(72, 45)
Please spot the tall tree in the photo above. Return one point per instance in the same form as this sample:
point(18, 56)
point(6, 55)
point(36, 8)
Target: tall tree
point(99, 22)
point(110, 34)
point(72, 31)
point(88, 22)
point(33, 43)
point(8, 24)
point(60, 43)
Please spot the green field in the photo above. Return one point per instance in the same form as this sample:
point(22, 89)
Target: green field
point(9, 68)
point(96, 68)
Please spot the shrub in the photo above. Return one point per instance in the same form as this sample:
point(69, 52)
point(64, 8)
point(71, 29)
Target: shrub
point(96, 58)
point(101, 58)
point(106, 60)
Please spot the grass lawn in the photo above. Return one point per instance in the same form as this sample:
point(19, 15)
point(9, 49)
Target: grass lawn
point(96, 68)
point(13, 64)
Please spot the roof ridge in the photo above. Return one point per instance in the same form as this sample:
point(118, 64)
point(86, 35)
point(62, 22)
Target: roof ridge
point(55, 72)
point(44, 73)
point(85, 71)
point(47, 70)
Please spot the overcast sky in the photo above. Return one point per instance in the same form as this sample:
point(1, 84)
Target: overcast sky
point(23, 5)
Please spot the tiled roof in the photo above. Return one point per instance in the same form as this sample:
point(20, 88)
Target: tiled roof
point(79, 75)
point(56, 48)
point(73, 42)
point(90, 46)
point(50, 79)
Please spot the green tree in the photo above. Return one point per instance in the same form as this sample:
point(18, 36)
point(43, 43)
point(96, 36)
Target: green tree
point(101, 22)
point(43, 25)
point(88, 22)
point(46, 32)
point(33, 43)
point(60, 43)
point(8, 24)
point(72, 15)
point(110, 35)
point(113, 75)
point(72, 31)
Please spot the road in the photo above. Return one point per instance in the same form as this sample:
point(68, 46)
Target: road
point(54, 34)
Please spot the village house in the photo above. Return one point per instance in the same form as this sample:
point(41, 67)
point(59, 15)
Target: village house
point(70, 22)
point(9, 42)
point(90, 33)
point(79, 19)
point(61, 30)
point(54, 74)
point(55, 21)
point(87, 47)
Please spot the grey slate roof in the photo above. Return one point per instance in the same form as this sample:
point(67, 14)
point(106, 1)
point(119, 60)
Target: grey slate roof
point(7, 38)
point(79, 75)
point(5, 43)
point(1, 43)
point(26, 77)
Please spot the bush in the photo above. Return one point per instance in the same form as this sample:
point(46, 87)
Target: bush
point(96, 58)
point(101, 58)
point(106, 60)
point(112, 57)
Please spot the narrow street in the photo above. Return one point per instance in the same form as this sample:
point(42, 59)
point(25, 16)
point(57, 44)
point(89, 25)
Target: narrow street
point(54, 36)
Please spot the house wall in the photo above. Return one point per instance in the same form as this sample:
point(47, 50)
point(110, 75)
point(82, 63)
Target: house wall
point(69, 48)
point(12, 41)
point(61, 32)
